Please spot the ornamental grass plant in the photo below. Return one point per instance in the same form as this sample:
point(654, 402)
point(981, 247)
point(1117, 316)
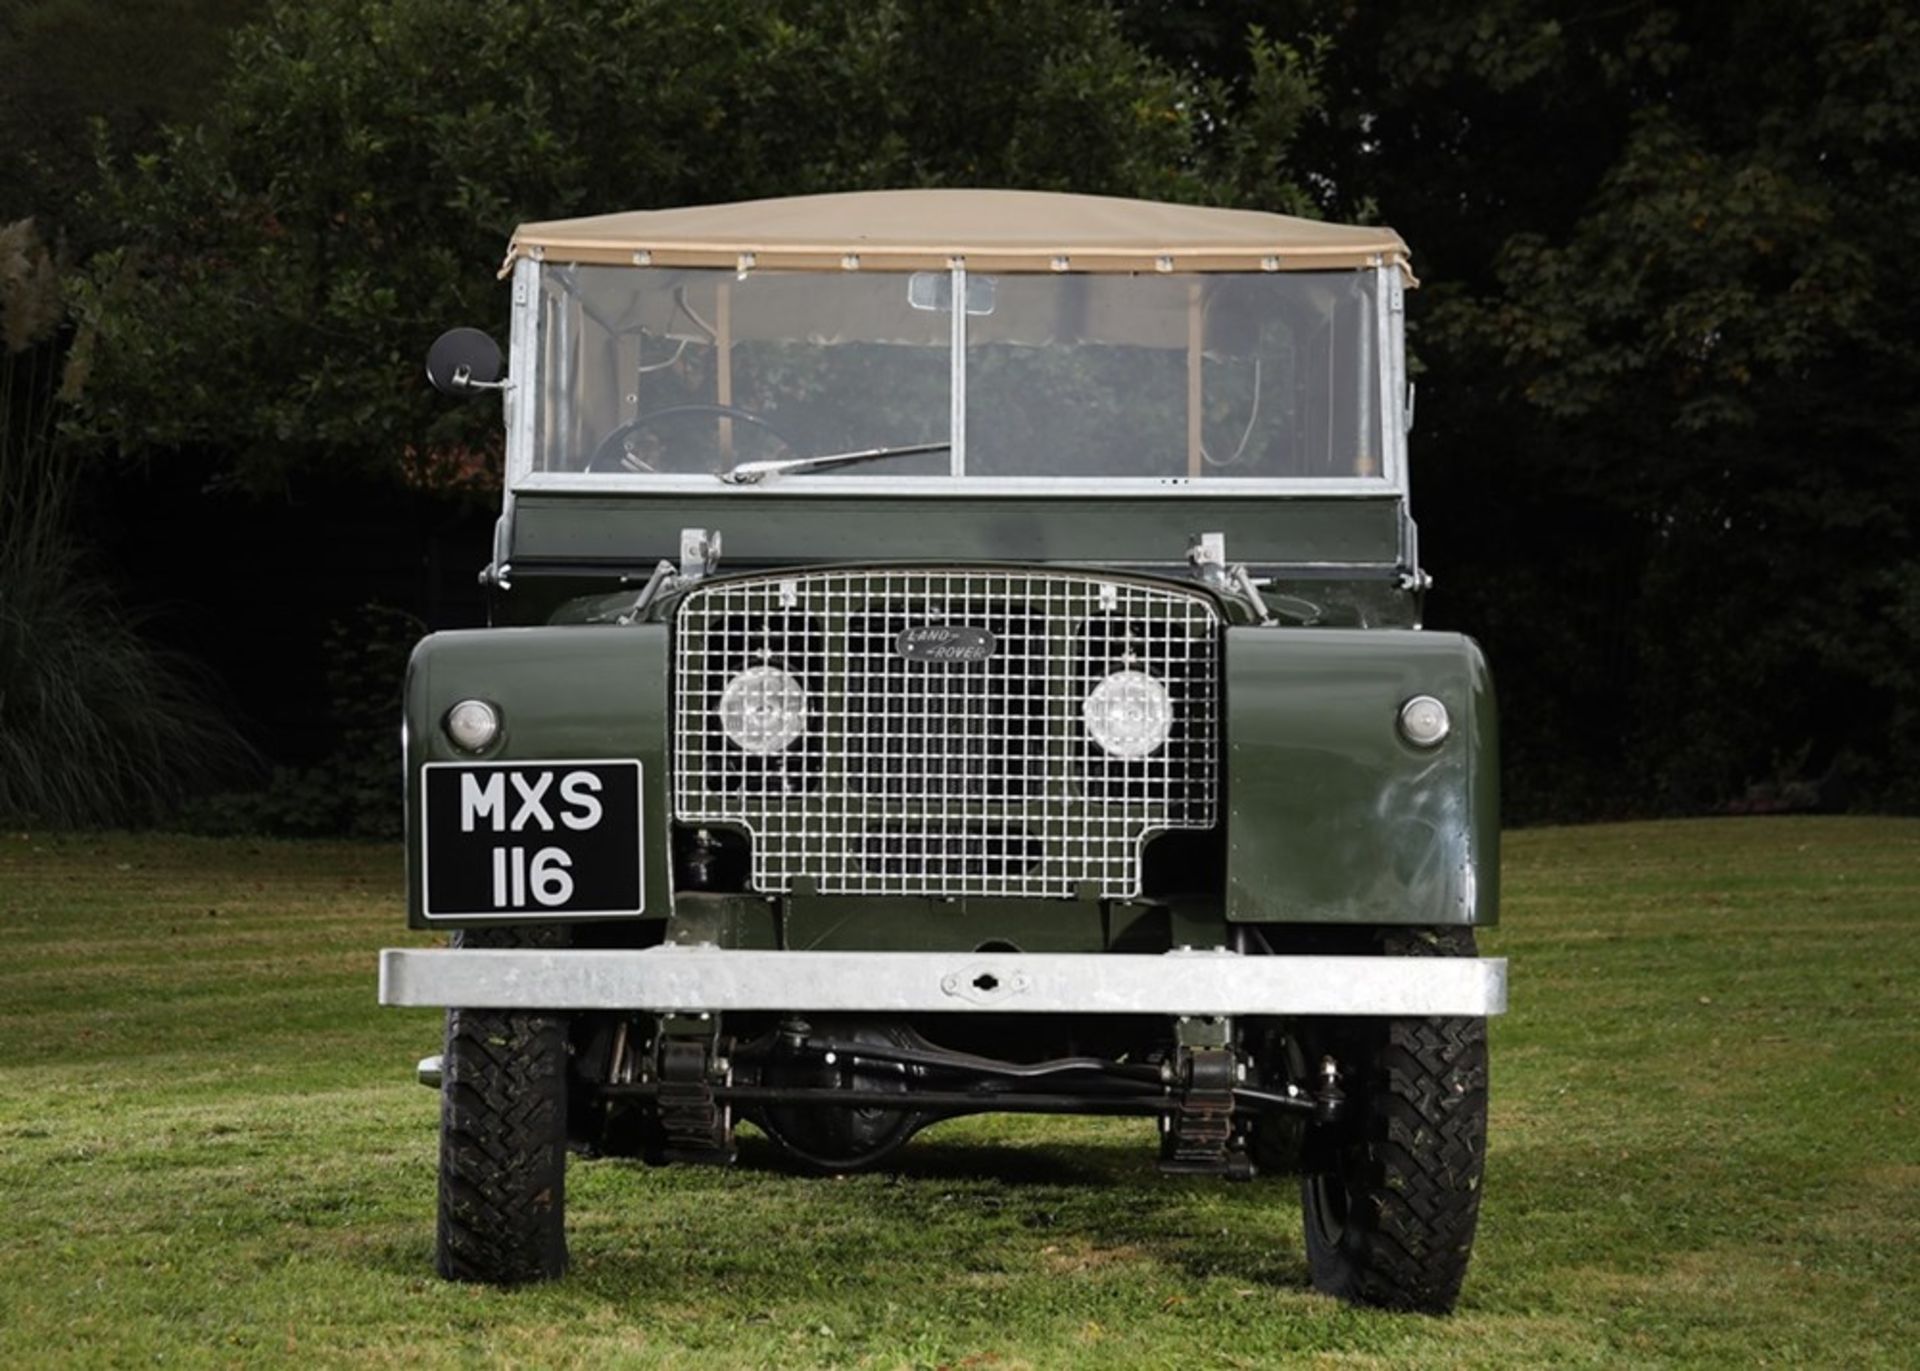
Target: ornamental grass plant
point(98, 726)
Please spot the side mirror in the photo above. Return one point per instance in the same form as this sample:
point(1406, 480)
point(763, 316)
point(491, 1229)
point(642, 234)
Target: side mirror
point(464, 360)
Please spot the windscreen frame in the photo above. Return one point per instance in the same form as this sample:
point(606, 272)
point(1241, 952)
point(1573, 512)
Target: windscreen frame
point(1388, 386)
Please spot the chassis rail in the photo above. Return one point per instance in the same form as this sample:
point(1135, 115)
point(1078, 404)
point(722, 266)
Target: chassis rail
point(706, 979)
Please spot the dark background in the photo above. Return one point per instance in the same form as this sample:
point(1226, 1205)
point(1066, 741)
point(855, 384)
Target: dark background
point(1665, 346)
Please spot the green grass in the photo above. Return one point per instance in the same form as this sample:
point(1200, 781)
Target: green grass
point(1705, 1148)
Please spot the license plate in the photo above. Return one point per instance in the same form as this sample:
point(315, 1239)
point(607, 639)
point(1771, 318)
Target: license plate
point(539, 839)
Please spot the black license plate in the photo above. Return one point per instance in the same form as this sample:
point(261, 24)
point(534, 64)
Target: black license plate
point(539, 839)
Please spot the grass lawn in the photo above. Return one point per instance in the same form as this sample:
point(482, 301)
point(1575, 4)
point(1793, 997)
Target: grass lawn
point(1705, 1148)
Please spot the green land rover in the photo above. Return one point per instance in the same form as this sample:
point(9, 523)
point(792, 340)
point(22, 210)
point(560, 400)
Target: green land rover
point(956, 651)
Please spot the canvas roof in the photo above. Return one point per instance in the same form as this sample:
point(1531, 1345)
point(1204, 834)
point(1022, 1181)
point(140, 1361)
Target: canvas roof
point(991, 230)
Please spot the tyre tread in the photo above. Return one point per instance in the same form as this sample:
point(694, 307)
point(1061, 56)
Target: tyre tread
point(1415, 1164)
point(502, 1192)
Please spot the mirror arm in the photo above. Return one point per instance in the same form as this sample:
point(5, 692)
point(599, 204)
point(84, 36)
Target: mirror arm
point(463, 380)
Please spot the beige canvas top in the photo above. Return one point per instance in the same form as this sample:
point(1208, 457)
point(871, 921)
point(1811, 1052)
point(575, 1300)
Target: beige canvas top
point(991, 230)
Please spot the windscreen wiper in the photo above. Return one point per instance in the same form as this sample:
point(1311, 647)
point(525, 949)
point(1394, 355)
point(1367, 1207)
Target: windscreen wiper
point(752, 473)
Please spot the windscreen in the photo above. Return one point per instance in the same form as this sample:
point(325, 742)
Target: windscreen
point(1202, 376)
point(649, 372)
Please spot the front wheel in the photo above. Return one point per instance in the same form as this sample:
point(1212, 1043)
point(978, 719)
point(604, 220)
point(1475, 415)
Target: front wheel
point(1391, 1193)
point(503, 1143)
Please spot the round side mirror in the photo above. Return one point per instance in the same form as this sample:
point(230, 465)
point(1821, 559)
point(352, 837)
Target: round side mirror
point(462, 361)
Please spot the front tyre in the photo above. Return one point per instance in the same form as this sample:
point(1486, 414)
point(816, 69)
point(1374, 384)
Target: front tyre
point(1391, 1194)
point(503, 1141)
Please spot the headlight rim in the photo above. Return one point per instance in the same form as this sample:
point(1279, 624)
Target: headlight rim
point(495, 725)
point(736, 686)
point(1163, 703)
point(1424, 736)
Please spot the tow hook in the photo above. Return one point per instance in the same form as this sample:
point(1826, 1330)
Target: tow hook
point(427, 1071)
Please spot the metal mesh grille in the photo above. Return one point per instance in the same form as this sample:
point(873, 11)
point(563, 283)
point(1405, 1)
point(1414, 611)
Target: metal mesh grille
point(972, 777)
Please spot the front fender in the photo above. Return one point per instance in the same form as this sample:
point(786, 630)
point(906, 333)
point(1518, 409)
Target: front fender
point(1332, 816)
point(581, 692)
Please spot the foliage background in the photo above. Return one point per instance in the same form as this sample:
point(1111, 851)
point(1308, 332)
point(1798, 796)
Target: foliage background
point(1665, 463)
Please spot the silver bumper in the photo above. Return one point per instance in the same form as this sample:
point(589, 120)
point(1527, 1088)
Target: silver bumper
point(698, 979)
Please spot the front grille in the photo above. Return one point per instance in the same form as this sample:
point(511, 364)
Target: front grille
point(920, 776)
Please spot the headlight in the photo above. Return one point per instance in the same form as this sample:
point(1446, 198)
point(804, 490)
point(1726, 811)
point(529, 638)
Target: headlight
point(1129, 714)
point(1424, 721)
point(763, 710)
point(473, 725)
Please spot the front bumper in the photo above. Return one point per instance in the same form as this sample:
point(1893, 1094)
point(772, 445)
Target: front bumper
point(704, 979)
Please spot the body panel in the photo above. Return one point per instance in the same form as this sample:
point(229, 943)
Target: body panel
point(1332, 816)
point(778, 525)
point(581, 692)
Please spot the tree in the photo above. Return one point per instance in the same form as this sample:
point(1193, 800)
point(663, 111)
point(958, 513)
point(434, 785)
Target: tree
point(282, 265)
point(1667, 442)
point(1667, 422)
point(73, 70)
point(1719, 352)
point(1680, 387)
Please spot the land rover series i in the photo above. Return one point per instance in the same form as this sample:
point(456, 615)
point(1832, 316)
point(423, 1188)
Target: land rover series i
point(956, 651)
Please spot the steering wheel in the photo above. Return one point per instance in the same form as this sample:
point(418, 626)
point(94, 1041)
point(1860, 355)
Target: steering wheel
point(616, 454)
